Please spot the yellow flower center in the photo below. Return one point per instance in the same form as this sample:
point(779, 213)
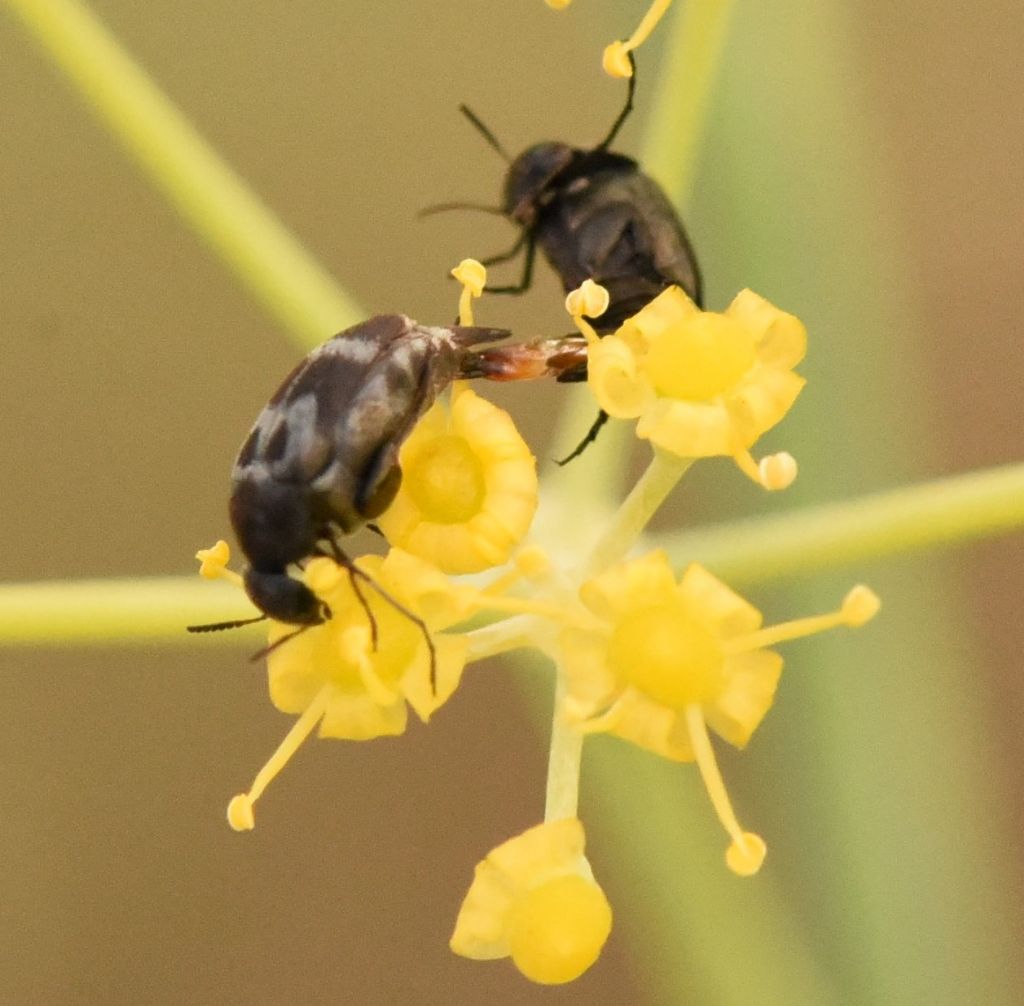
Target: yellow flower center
point(700, 358)
point(446, 480)
point(558, 928)
point(671, 658)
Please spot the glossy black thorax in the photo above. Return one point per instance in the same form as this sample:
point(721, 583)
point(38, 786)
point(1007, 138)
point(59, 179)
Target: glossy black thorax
point(596, 215)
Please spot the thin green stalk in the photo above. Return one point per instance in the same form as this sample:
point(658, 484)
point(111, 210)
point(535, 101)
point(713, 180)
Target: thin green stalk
point(674, 130)
point(273, 266)
point(942, 512)
point(564, 757)
point(114, 612)
point(946, 511)
point(661, 476)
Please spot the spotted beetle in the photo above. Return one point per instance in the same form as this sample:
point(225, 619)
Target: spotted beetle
point(322, 457)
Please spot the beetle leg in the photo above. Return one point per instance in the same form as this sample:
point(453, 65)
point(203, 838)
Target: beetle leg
point(602, 418)
point(358, 591)
point(527, 277)
point(506, 255)
point(355, 572)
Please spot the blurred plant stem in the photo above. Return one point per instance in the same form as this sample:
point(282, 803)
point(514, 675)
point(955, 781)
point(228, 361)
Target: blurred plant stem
point(831, 536)
point(272, 265)
point(764, 550)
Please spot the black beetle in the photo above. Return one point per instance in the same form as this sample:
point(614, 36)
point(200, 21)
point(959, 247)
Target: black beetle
point(322, 457)
point(595, 215)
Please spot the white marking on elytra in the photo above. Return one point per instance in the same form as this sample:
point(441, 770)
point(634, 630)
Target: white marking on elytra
point(353, 349)
point(302, 430)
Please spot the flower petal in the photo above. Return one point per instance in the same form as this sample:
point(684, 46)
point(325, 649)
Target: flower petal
point(355, 716)
point(541, 852)
point(761, 401)
point(720, 608)
point(649, 725)
point(671, 307)
point(781, 337)
point(450, 655)
point(614, 380)
point(688, 429)
point(752, 679)
point(628, 585)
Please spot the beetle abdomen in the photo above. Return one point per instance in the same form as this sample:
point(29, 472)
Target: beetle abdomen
point(616, 227)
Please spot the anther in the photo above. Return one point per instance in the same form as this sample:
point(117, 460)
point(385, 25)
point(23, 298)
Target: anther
point(240, 815)
point(777, 471)
point(473, 277)
point(746, 854)
point(213, 563)
point(616, 60)
point(860, 605)
point(590, 300)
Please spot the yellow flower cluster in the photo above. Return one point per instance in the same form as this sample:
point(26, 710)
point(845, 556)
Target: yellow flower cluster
point(640, 651)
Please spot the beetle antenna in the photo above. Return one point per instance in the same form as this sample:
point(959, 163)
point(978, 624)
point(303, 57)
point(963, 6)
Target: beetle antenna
point(622, 116)
point(429, 211)
point(235, 623)
point(492, 140)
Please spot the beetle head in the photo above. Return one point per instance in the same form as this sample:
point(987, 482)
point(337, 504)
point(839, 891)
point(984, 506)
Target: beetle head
point(283, 598)
point(529, 177)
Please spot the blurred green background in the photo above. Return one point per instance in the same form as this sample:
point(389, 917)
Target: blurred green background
point(861, 167)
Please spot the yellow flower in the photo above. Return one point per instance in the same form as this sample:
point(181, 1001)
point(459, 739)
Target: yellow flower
point(369, 680)
point(354, 677)
point(665, 659)
point(534, 899)
point(701, 383)
point(469, 487)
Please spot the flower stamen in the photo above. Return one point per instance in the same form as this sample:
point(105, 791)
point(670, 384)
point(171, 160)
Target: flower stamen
point(860, 605)
point(240, 809)
point(589, 300)
point(213, 563)
point(773, 472)
point(747, 851)
point(473, 277)
point(616, 56)
point(529, 563)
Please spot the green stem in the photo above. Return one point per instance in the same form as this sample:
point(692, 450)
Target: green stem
point(517, 633)
point(564, 761)
point(115, 612)
point(674, 130)
point(664, 471)
point(216, 203)
point(942, 512)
